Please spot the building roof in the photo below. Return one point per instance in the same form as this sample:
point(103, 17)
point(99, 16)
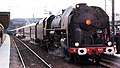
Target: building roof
point(5, 19)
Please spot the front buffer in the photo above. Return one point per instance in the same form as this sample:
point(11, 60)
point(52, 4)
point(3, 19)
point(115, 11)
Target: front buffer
point(91, 53)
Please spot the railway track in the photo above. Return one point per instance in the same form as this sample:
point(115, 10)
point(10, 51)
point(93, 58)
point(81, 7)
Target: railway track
point(103, 64)
point(26, 63)
point(18, 51)
point(109, 64)
point(56, 62)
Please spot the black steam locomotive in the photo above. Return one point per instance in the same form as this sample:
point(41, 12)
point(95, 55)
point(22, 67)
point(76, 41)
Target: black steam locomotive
point(80, 31)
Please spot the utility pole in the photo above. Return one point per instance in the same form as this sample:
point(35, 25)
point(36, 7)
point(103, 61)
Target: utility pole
point(113, 20)
point(33, 19)
point(105, 5)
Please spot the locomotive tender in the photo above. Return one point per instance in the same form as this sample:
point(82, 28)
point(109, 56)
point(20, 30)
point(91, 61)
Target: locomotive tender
point(80, 31)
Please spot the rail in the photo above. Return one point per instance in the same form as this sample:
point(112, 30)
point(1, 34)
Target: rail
point(47, 64)
point(23, 64)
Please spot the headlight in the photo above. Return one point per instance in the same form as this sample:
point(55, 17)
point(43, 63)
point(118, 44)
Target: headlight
point(76, 44)
point(109, 43)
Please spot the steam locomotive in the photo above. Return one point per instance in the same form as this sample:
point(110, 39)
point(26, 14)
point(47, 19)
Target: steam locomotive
point(77, 32)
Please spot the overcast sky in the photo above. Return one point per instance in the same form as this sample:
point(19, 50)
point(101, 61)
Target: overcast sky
point(26, 8)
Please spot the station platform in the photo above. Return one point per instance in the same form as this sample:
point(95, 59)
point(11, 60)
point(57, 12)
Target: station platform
point(5, 52)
